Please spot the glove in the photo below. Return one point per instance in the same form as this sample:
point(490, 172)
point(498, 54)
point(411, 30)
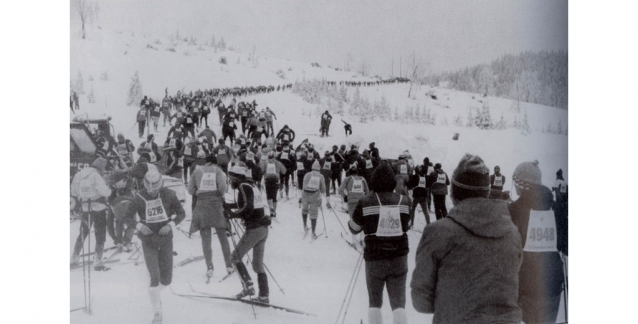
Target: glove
point(143, 229)
point(166, 228)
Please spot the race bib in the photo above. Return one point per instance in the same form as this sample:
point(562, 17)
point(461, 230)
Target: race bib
point(155, 212)
point(271, 168)
point(189, 120)
point(86, 189)
point(357, 186)
point(122, 149)
point(157, 108)
point(180, 162)
point(249, 173)
point(172, 143)
point(421, 182)
point(389, 221)
point(209, 181)
point(259, 129)
point(244, 114)
point(284, 156)
point(187, 150)
point(498, 181)
point(327, 165)
point(440, 178)
point(368, 164)
point(221, 152)
point(313, 184)
point(299, 165)
point(153, 156)
point(258, 202)
point(563, 189)
point(231, 124)
point(541, 232)
point(403, 169)
point(286, 137)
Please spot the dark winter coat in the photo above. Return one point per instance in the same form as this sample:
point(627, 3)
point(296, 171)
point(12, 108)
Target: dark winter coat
point(467, 265)
point(439, 187)
point(541, 274)
point(419, 182)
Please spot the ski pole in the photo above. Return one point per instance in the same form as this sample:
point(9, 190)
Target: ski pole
point(324, 221)
point(335, 213)
point(352, 292)
point(88, 265)
point(349, 286)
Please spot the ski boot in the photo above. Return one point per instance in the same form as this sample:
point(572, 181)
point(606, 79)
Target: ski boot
point(314, 236)
point(230, 269)
point(248, 290)
point(262, 281)
point(209, 272)
point(99, 266)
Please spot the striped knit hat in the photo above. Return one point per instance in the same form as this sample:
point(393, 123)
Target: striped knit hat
point(471, 174)
point(527, 174)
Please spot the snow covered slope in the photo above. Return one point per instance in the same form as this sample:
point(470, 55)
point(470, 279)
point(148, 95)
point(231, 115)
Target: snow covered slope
point(314, 276)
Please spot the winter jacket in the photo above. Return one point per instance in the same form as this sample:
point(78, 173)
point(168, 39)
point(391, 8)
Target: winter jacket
point(272, 168)
point(89, 184)
point(467, 265)
point(223, 154)
point(440, 181)
point(379, 246)
point(250, 206)
point(419, 182)
point(354, 188)
point(541, 274)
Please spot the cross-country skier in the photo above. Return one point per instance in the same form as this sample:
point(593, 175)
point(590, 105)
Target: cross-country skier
point(90, 189)
point(150, 147)
point(497, 181)
point(418, 183)
point(224, 154)
point(272, 170)
point(383, 216)
point(289, 161)
point(228, 129)
point(189, 153)
point(313, 187)
point(327, 165)
point(440, 182)
point(402, 170)
point(159, 211)
point(125, 149)
point(541, 276)
point(347, 127)
point(155, 114)
point(286, 135)
point(141, 121)
point(326, 118)
point(560, 187)
point(208, 183)
point(269, 120)
point(354, 188)
point(250, 208)
point(210, 136)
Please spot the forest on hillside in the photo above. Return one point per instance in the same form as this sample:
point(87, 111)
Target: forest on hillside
point(535, 77)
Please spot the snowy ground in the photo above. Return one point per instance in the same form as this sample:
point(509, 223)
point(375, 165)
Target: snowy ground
point(314, 276)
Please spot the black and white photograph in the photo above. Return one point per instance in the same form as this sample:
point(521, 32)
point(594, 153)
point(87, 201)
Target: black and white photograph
point(321, 161)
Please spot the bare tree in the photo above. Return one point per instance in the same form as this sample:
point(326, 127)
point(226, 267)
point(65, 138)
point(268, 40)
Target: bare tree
point(87, 11)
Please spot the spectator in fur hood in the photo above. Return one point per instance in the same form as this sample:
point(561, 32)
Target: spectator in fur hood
point(467, 263)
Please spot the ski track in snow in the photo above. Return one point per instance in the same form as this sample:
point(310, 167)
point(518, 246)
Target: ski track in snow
point(314, 276)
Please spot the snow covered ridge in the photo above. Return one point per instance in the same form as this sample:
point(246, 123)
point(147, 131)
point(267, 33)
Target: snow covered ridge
point(314, 276)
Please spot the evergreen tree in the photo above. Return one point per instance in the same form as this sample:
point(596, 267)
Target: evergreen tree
point(79, 83)
point(91, 96)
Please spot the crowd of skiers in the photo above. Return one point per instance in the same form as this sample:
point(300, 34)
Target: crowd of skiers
point(488, 259)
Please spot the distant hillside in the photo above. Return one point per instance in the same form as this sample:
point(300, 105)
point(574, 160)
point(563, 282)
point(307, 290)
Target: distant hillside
point(535, 77)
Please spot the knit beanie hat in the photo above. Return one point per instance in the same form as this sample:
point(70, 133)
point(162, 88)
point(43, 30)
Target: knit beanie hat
point(559, 172)
point(527, 174)
point(100, 164)
point(316, 166)
point(237, 171)
point(382, 179)
point(471, 174)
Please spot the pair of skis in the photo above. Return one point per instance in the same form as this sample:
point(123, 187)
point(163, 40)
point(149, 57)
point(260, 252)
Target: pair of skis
point(198, 294)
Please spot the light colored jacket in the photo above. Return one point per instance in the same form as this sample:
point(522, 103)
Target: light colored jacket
point(87, 185)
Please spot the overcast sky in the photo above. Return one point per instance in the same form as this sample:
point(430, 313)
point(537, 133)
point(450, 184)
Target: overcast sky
point(447, 34)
